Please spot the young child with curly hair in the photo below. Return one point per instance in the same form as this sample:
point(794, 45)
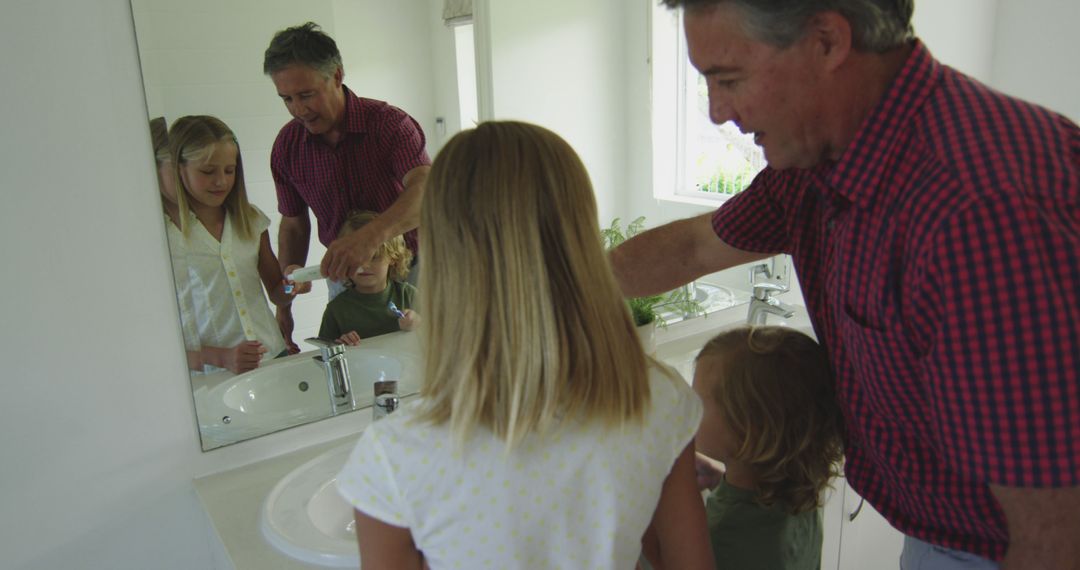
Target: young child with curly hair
point(771, 417)
point(364, 309)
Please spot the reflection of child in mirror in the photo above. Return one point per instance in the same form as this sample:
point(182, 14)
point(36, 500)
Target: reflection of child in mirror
point(771, 417)
point(226, 245)
point(544, 429)
point(363, 310)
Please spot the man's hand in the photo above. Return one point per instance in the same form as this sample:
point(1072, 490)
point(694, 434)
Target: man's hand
point(297, 288)
point(1043, 527)
point(285, 323)
point(347, 254)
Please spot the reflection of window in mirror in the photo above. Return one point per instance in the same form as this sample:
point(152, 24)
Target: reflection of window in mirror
point(464, 49)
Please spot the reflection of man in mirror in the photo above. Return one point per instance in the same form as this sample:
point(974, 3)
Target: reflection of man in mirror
point(339, 153)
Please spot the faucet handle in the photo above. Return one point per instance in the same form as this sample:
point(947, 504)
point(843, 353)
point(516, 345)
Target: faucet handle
point(762, 268)
point(327, 347)
point(763, 290)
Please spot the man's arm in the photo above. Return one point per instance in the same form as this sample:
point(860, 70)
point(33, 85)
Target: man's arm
point(294, 237)
point(671, 255)
point(348, 254)
point(1044, 527)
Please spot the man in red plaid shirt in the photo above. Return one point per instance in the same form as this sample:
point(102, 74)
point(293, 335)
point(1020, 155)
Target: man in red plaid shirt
point(935, 228)
point(339, 153)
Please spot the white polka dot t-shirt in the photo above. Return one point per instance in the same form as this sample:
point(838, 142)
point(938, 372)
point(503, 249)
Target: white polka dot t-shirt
point(579, 498)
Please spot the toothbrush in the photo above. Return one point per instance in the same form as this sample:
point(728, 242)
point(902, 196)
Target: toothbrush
point(393, 309)
point(309, 273)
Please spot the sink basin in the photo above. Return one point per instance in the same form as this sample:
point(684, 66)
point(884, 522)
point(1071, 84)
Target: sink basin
point(800, 321)
point(709, 297)
point(291, 391)
point(306, 519)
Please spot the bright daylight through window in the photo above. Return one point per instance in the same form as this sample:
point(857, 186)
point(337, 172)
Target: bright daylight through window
point(708, 162)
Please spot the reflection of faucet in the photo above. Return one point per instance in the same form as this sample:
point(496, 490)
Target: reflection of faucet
point(762, 304)
point(386, 399)
point(332, 358)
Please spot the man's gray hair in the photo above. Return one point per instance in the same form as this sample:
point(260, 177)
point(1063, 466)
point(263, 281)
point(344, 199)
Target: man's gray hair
point(305, 44)
point(876, 25)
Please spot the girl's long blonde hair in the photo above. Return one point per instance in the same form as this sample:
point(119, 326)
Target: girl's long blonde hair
point(774, 388)
point(192, 139)
point(525, 324)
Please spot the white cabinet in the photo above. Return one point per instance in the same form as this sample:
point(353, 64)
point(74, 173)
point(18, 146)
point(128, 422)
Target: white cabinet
point(857, 537)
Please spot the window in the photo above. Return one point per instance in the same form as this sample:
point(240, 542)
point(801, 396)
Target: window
point(468, 107)
point(694, 160)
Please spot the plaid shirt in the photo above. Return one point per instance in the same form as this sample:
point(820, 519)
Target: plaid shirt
point(380, 144)
point(940, 263)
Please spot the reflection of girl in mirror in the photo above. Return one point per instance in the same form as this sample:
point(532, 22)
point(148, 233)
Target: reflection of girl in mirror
point(543, 428)
point(363, 310)
point(225, 241)
point(159, 136)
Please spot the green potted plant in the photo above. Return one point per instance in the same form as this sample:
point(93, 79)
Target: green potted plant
point(644, 309)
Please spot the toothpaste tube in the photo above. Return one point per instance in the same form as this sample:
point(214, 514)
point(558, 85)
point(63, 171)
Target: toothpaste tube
point(309, 273)
point(305, 274)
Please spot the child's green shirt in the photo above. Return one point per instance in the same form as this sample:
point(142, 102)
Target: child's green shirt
point(366, 313)
point(748, 536)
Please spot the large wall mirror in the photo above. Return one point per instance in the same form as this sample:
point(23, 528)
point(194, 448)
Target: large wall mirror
point(205, 57)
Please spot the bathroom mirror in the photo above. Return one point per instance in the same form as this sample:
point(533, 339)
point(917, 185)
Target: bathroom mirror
point(203, 57)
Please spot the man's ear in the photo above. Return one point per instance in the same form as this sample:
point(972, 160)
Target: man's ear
point(830, 33)
point(339, 76)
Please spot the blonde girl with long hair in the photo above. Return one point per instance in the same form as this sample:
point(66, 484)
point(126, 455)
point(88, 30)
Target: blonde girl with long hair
point(225, 242)
point(544, 437)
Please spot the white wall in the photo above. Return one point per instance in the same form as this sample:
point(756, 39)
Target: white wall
point(1036, 53)
point(959, 33)
point(96, 425)
point(560, 64)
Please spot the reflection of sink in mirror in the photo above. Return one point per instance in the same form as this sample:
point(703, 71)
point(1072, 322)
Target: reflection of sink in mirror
point(291, 391)
point(709, 297)
point(305, 518)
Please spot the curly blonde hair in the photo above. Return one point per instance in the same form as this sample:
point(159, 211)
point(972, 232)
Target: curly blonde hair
point(774, 388)
point(394, 249)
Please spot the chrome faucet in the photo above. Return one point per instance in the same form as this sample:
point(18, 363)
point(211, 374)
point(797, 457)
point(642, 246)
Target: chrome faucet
point(332, 358)
point(762, 303)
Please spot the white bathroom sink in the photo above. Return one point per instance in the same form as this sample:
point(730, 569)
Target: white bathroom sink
point(291, 391)
point(306, 519)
